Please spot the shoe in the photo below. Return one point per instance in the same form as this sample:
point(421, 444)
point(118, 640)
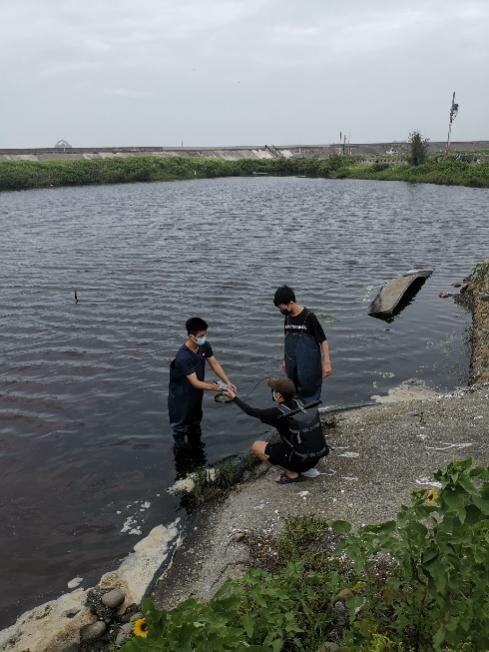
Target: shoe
point(284, 479)
point(311, 473)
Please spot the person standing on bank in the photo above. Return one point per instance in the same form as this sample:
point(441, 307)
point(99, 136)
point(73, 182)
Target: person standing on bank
point(306, 350)
point(187, 383)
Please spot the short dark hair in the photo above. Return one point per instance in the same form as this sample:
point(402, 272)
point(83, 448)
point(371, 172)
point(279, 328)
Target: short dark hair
point(195, 324)
point(283, 294)
point(285, 386)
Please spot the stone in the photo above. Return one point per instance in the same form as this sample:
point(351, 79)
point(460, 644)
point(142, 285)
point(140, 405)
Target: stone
point(328, 646)
point(92, 632)
point(238, 536)
point(123, 633)
point(113, 599)
point(136, 616)
point(344, 594)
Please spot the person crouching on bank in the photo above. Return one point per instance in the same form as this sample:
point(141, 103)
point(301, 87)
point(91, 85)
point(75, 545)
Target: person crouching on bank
point(187, 383)
point(301, 444)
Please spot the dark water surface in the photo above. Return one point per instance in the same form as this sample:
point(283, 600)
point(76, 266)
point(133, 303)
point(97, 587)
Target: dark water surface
point(84, 439)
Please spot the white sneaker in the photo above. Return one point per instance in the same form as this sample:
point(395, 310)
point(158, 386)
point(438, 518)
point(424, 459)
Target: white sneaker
point(311, 473)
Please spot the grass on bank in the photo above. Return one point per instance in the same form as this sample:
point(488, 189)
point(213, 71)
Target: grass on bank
point(480, 273)
point(21, 175)
point(414, 584)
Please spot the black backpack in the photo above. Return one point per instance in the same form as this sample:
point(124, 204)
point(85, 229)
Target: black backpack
point(306, 434)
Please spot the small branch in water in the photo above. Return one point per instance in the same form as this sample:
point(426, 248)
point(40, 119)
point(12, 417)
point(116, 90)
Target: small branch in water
point(76, 297)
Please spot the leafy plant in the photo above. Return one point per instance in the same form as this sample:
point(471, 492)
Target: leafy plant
point(480, 272)
point(416, 583)
point(418, 148)
point(437, 594)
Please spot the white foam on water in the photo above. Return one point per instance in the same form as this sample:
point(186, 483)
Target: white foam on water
point(185, 485)
point(409, 390)
point(76, 581)
point(131, 526)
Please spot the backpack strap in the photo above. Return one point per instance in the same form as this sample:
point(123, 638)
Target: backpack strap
point(287, 412)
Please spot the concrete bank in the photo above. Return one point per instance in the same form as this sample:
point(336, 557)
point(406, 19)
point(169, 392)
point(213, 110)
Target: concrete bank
point(230, 153)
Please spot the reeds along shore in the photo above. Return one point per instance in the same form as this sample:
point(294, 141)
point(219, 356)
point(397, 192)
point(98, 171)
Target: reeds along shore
point(21, 175)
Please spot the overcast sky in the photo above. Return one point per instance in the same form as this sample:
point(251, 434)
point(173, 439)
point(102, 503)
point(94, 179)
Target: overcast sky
point(228, 72)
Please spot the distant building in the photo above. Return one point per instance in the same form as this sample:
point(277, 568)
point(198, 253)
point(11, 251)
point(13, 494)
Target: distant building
point(62, 144)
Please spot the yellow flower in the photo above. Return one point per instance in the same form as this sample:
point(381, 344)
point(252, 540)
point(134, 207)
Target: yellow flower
point(358, 586)
point(140, 628)
point(432, 497)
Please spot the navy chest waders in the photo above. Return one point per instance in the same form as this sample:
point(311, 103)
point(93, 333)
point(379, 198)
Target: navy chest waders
point(185, 401)
point(303, 362)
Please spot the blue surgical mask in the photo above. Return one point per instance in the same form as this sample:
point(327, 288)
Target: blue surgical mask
point(201, 340)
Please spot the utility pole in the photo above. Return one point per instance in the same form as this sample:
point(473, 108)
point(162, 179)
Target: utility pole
point(453, 114)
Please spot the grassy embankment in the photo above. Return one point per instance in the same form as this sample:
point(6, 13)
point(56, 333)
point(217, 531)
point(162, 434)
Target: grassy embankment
point(414, 584)
point(19, 175)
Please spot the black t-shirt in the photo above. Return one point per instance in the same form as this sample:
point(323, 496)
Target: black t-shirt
point(305, 323)
point(187, 362)
point(270, 416)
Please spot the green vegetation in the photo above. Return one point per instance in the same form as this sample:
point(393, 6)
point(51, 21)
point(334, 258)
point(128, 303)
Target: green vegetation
point(480, 273)
point(19, 175)
point(417, 583)
point(418, 148)
point(209, 484)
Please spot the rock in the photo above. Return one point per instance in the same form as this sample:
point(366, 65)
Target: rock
point(113, 599)
point(123, 633)
point(340, 615)
point(130, 610)
point(92, 632)
point(328, 646)
point(136, 616)
point(343, 595)
point(238, 536)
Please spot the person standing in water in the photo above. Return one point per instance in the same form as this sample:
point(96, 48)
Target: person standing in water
point(187, 383)
point(306, 349)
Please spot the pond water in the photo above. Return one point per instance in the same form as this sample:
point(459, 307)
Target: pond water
point(85, 448)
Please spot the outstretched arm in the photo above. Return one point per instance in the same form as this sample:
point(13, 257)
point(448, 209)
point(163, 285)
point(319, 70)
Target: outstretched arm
point(201, 384)
point(219, 371)
point(269, 416)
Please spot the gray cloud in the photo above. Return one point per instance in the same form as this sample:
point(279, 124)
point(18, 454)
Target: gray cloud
point(240, 72)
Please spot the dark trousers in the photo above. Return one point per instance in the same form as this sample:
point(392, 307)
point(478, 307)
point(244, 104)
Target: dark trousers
point(185, 411)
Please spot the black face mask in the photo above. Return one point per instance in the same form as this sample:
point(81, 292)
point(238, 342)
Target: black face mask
point(284, 311)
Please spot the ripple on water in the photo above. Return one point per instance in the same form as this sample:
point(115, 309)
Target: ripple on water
point(83, 385)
